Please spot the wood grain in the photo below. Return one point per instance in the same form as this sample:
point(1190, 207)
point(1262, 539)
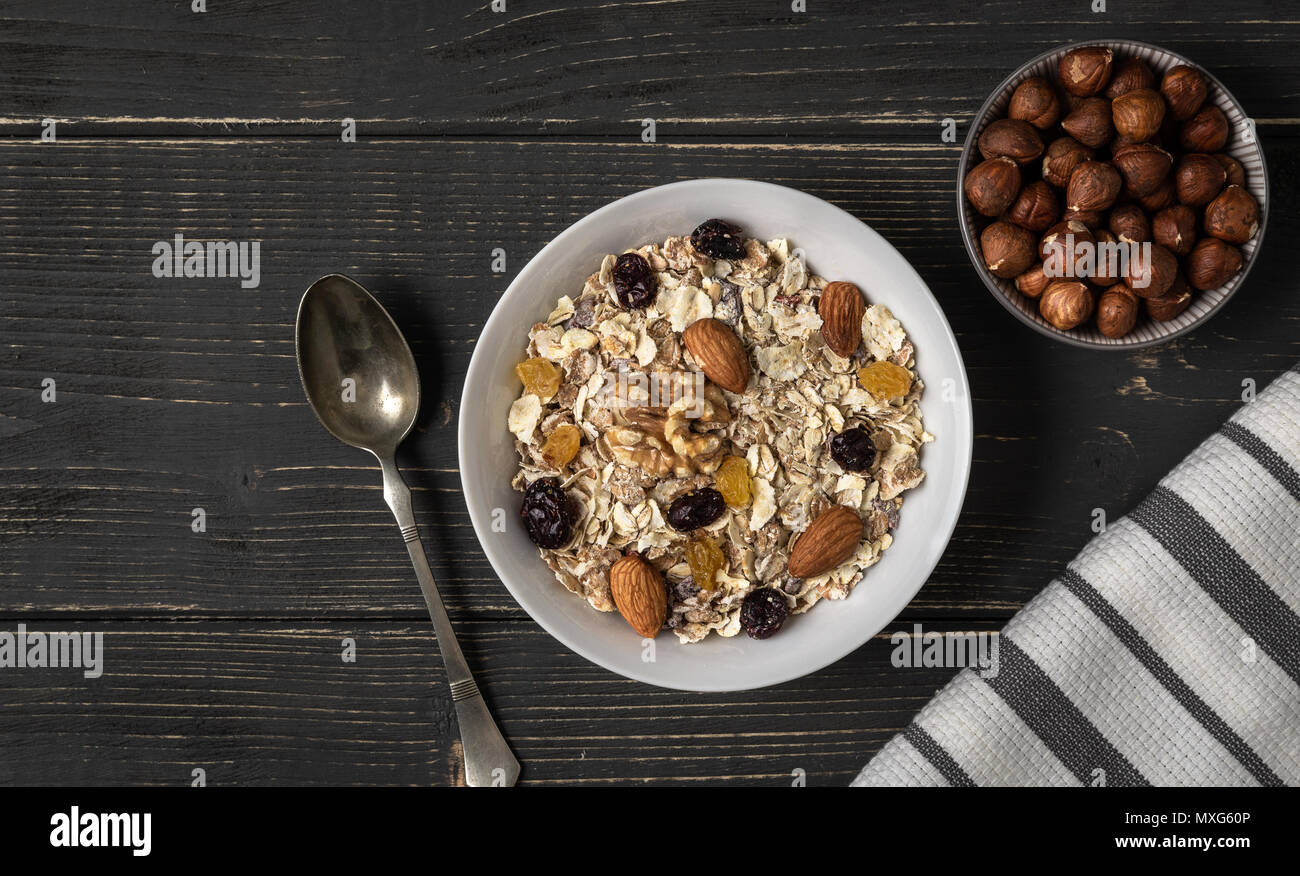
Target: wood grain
point(479, 131)
point(702, 69)
point(274, 704)
point(176, 394)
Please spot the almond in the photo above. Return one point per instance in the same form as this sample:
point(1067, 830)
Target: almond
point(828, 541)
point(640, 594)
point(719, 353)
point(841, 309)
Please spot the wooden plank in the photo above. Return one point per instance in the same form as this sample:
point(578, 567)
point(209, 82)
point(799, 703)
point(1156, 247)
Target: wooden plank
point(224, 648)
point(274, 704)
point(182, 394)
point(724, 67)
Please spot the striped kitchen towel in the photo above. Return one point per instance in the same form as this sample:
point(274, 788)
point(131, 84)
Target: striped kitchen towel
point(1167, 652)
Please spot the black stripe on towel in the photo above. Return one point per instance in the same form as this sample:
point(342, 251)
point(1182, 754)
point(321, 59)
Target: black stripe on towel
point(1265, 456)
point(1056, 720)
point(937, 755)
point(1223, 574)
point(1173, 682)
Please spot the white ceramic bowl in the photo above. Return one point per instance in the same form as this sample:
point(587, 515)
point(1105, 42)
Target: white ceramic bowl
point(838, 246)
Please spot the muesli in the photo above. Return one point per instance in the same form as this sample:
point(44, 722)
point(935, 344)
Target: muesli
point(712, 438)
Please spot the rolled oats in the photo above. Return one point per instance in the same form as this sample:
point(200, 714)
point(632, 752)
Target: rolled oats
point(640, 451)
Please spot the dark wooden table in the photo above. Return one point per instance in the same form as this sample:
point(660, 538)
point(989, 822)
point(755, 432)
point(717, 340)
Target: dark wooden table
point(477, 130)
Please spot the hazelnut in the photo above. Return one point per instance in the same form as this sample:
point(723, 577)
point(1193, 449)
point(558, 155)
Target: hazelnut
point(1069, 102)
point(1035, 101)
point(1129, 224)
point(1032, 282)
point(1063, 246)
point(1090, 123)
point(1066, 304)
point(1137, 115)
point(1207, 131)
point(1199, 179)
point(1175, 229)
point(1107, 261)
point(1062, 157)
point(1085, 71)
point(1135, 175)
point(1094, 185)
point(1008, 249)
point(1091, 218)
point(1184, 89)
point(1117, 311)
point(1119, 144)
point(1233, 216)
point(1143, 167)
point(992, 185)
point(1212, 263)
point(1151, 270)
point(1172, 303)
point(1164, 195)
point(1232, 167)
point(1130, 74)
point(1011, 138)
point(1037, 207)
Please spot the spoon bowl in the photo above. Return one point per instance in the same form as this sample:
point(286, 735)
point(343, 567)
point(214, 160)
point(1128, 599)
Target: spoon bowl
point(344, 334)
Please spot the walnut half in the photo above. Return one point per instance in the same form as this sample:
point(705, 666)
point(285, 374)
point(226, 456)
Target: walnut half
point(663, 441)
point(647, 452)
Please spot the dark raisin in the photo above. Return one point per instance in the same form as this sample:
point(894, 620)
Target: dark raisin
point(695, 509)
point(719, 240)
point(763, 612)
point(634, 282)
point(547, 513)
point(853, 449)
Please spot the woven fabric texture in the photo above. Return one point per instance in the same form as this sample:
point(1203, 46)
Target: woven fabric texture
point(1167, 652)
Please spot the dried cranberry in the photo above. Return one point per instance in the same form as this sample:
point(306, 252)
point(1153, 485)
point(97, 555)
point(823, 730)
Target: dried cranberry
point(695, 509)
point(634, 282)
point(853, 449)
point(547, 513)
point(763, 612)
point(720, 240)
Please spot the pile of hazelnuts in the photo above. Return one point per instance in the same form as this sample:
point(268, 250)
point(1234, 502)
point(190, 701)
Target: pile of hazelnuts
point(1125, 158)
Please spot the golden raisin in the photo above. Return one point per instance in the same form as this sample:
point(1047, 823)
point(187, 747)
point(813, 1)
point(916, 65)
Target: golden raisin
point(705, 559)
point(885, 380)
point(562, 445)
point(540, 377)
point(733, 481)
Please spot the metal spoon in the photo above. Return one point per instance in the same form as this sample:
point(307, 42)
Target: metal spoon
point(361, 381)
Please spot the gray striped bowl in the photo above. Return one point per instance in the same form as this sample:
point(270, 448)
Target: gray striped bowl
point(1241, 146)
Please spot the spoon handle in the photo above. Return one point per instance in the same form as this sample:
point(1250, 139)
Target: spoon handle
point(488, 759)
